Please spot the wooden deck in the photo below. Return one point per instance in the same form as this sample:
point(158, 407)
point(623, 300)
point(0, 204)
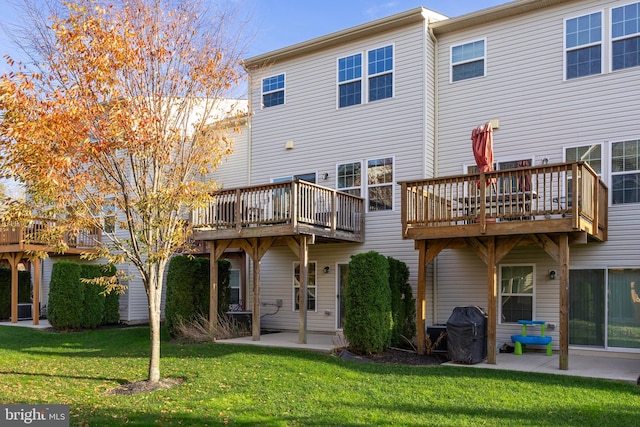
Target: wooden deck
point(281, 209)
point(528, 200)
point(551, 206)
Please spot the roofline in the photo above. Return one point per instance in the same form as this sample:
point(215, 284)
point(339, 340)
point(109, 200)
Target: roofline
point(507, 10)
point(419, 14)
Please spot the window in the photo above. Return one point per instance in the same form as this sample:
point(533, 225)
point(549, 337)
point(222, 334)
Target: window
point(379, 77)
point(380, 73)
point(234, 284)
point(350, 178)
point(592, 154)
point(311, 287)
point(468, 61)
point(309, 177)
point(517, 292)
point(625, 35)
point(109, 216)
point(587, 307)
point(350, 80)
point(623, 308)
point(625, 172)
point(273, 91)
point(380, 184)
point(583, 44)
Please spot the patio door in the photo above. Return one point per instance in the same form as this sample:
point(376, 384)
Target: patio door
point(587, 307)
point(343, 271)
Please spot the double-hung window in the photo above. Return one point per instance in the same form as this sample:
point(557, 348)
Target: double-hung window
point(273, 91)
point(380, 184)
point(379, 180)
point(311, 287)
point(350, 80)
point(377, 75)
point(625, 172)
point(380, 73)
point(625, 36)
point(109, 216)
point(468, 60)
point(583, 45)
point(517, 286)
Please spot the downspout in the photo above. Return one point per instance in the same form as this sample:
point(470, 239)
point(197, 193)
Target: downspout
point(436, 106)
point(249, 127)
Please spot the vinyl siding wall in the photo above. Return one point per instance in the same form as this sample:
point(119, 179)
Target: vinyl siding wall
point(540, 114)
point(325, 136)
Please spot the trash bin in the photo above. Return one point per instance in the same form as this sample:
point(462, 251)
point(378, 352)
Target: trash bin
point(467, 335)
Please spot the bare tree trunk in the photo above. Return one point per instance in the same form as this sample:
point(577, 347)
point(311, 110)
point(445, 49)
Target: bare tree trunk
point(154, 297)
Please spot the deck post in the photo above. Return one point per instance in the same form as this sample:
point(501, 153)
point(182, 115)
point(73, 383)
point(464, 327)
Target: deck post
point(492, 297)
point(213, 287)
point(14, 259)
point(302, 296)
point(255, 321)
point(563, 249)
point(421, 299)
point(35, 312)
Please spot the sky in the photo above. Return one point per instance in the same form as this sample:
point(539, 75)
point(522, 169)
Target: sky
point(274, 24)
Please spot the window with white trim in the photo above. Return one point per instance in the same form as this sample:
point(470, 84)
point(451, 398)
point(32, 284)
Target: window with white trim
point(234, 284)
point(380, 73)
point(468, 60)
point(350, 178)
point(380, 184)
point(517, 293)
point(591, 154)
point(311, 286)
point(350, 80)
point(273, 91)
point(379, 77)
point(625, 36)
point(109, 216)
point(625, 172)
point(583, 45)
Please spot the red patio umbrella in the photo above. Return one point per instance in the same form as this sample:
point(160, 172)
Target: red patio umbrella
point(482, 144)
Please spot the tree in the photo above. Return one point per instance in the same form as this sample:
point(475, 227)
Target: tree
point(123, 107)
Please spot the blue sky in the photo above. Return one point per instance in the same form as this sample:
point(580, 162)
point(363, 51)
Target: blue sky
point(278, 23)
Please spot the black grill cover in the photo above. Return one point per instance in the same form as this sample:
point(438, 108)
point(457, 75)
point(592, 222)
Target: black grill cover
point(467, 335)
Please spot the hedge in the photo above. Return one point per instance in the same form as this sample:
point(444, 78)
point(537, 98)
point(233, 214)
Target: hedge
point(188, 290)
point(24, 290)
point(403, 305)
point(368, 319)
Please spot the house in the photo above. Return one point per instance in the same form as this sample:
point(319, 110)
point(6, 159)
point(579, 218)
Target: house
point(383, 113)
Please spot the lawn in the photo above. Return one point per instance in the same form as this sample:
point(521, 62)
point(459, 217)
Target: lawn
point(246, 385)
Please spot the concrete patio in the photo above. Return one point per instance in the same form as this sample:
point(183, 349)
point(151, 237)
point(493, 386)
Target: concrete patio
point(582, 363)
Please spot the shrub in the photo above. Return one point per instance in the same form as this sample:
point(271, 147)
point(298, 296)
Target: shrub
point(403, 305)
point(24, 290)
point(368, 320)
point(100, 309)
point(188, 291)
point(66, 296)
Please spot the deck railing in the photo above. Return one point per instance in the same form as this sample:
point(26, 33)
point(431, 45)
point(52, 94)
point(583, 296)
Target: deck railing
point(41, 232)
point(290, 202)
point(567, 190)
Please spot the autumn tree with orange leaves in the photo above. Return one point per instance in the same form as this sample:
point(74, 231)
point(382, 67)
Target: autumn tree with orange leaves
point(127, 104)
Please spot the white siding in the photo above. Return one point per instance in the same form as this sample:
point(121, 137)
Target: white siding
point(324, 136)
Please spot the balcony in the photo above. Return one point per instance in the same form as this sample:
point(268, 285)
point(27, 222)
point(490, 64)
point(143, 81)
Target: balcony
point(560, 198)
point(38, 235)
point(281, 209)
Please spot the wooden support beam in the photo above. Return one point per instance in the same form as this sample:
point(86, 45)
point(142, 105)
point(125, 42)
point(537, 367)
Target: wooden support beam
point(564, 300)
point(506, 245)
point(492, 298)
point(548, 245)
point(14, 259)
point(304, 280)
point(255, 321)
point(213, 287)
point(37, 268)
point(421, 296)
point(478, 247)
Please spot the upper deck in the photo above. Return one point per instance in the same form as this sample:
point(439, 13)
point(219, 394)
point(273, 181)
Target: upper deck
point(529, 200)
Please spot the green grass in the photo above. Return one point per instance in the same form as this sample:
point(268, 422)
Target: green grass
point(246, 385)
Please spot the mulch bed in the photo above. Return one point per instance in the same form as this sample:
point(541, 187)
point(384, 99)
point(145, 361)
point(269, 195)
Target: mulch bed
point(396, 356)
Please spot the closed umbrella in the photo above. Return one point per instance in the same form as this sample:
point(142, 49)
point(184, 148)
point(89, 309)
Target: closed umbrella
point(482, 144)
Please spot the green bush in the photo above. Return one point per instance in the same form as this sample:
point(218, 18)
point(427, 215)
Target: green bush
point(24, 290)
point(368, 320)
point(188, 290)
point(100, 309)
point(66, 295)
point(403, 305)
point(76, 304)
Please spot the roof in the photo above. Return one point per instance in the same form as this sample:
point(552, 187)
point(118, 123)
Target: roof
point(439, 23)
